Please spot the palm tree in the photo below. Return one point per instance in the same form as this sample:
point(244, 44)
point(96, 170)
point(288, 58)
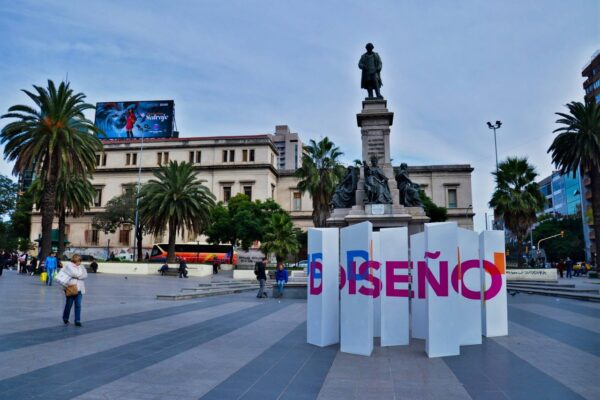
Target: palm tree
point(73, 196)
point(176, 200)
point(319, 175)
point(577, 148)
point(517, 198)
point(55, 140)
point(281, 237)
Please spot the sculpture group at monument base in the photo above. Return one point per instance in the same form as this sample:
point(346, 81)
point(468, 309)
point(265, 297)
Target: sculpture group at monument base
point(362, 285)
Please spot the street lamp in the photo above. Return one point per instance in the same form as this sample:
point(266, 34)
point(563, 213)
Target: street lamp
point(495, 126)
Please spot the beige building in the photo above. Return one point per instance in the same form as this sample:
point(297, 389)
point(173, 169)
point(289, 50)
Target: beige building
point(229, 165)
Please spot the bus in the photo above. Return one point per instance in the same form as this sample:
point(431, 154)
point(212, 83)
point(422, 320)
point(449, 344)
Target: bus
point(196, 253)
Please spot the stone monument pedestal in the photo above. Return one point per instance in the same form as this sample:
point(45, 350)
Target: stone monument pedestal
point(374, 121)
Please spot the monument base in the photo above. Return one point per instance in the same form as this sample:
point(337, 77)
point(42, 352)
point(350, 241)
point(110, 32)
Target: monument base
point(393, 216)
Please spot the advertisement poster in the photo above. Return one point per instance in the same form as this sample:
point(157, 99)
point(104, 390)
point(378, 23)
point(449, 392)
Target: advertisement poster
point(135, 119)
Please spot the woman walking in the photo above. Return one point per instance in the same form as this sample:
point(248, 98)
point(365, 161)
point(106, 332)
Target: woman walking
point(75, 288)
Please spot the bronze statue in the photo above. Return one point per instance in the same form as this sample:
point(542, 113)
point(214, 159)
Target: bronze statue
point(376, 184)
point(345, 192)
point(409, 191)
point(370, 64)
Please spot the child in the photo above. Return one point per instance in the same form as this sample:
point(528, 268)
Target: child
point(281, 277)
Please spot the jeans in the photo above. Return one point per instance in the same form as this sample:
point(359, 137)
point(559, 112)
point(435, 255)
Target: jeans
point(569, 273)
point(261, 290)
point(67, 312)
point(280, 286)
point(50, 272)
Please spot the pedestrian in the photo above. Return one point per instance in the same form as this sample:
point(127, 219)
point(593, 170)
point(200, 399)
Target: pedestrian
point(569, 266)
point(561, 268)
point(23, 263)
point(32, 266)
point(51, 264)
point(215, 264)
point(94, 265)
point(147, 256)
point(78, 274)
point(182, 268)
point(163, 269)
point(261, 276)
point(281, 277)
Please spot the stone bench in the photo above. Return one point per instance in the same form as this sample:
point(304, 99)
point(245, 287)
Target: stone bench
point(292, 290)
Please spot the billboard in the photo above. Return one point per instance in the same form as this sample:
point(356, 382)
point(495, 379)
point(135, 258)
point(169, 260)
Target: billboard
point(135, 119)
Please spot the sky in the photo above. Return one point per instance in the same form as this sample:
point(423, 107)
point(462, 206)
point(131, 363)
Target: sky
point(242, 67)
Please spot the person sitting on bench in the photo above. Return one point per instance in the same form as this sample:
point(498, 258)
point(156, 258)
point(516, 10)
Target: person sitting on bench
point(163, 269)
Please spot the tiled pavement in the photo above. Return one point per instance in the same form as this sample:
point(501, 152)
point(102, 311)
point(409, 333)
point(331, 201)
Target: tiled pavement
point(238, 347)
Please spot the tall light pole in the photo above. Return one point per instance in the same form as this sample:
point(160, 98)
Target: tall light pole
point(137, 201)
point(495, 126)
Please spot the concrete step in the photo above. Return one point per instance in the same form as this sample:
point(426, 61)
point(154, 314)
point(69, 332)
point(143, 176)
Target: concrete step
point(556, 293)
point(558, 289)
point(206, 293)
point(540, 283)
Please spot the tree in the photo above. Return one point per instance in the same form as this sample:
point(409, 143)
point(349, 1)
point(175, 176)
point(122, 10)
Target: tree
point(319, 175)
point(434, 212)
point(577, 148)
point(74, 196)
point(517, 198)
point(8, 195)
point(241, 221)
point(55, 140)
point(176, 200)
point(281, 237)
point(120, 210)
point(571, 245)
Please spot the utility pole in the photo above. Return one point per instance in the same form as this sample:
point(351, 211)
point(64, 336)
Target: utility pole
point(495, 126)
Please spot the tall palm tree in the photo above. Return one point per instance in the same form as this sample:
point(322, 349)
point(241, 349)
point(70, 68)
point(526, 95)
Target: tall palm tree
point(54, 139)
point(73, 196)
point(517, 198)
point(319, 174)
point(176, 200)
point(281, 237)
point(577, 148)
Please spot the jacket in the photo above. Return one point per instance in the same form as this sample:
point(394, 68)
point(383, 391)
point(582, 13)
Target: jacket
point(51, 263)
point(259, 271)
point(281, 275)
point(77, 273)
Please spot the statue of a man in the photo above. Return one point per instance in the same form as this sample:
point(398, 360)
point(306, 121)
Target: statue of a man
point(376, 184)
point(370, 64)
point(409, 191)
point(345, 192)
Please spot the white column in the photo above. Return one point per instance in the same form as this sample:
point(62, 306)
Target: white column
point(418, 306)
point(441, 240)
point(322, 318)
point(394, 296)
point(468, 283)
point(494, 314)
point(356, 325)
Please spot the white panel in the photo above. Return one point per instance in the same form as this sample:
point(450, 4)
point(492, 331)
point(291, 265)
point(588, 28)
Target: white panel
point(323, 317)
point(494, 313)
point(418, 306)
point(468, 282)
point(376, 255)
point(442, 309)
point(395, 296)
point(356, 325)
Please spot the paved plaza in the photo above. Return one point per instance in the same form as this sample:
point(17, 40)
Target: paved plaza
point(132, 346)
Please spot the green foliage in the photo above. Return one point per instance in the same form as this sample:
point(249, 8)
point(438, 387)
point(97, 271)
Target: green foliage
point(118, 211)
point(517, 197)
point(319, 174)
point(241, 221)
point(177, 199)
point(571, 245)
point(8, 195)
point(21, 217)
point(281, 237)
point(434, 212)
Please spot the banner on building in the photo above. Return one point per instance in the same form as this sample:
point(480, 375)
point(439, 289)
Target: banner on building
point(135, 119)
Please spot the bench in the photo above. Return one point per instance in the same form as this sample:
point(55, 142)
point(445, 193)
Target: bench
point(292, 290)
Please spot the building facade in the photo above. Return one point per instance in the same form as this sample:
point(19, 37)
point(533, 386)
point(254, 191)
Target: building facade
point(229, 165)
point(562, 194)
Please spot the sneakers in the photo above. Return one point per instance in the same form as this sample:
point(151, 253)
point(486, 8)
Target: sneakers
point(78, 324)
point(66, 321)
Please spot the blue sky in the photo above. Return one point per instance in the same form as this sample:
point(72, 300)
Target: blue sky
point(242, 67)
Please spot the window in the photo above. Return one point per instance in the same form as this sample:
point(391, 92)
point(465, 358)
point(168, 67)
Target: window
point(296, 156)
point(98, 197)
point(191, 159)
point(128, 188)
point(91, 236)
point(251, 155)
point(272, 191)
point(231, 155)
point(228, 155)
point(162, 157)
point(226, 193)
point(100, 160)
point(195, 157)
point(452, 202)
point(224, 155)
point(131, 159)
point(198, 157)
point(97, 160)
point(244, 155)
point(248, 191)
point(297, 201)
point(124, 235)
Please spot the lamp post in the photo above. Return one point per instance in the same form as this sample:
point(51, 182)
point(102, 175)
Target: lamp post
point(137, 200)
point(495, 126)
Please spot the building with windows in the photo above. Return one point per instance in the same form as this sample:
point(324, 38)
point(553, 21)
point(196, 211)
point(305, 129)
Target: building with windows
point(562, 194)
point(229, 165)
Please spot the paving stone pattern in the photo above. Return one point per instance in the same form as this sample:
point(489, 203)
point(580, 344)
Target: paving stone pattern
point(133, 346)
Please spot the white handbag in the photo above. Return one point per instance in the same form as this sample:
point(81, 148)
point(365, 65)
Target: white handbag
point(62, 278)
